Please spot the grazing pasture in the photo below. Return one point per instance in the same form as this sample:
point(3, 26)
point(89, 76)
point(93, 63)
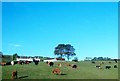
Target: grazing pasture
point(0, 72)
point(84, 70)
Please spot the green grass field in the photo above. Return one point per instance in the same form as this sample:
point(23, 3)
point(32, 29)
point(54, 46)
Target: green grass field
point(85, 70)
point(0, 72)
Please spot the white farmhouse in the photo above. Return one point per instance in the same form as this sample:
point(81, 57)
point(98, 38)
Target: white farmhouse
point(23, 58)
point(50, 60)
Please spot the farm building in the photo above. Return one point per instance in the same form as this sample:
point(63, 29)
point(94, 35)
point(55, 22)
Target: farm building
point(54, 59)
point(25, 58)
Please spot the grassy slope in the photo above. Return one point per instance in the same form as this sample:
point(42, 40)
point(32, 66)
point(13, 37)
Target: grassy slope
point(86, 70)
point(0, 72)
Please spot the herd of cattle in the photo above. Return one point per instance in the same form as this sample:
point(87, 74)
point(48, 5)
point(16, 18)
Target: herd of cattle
point(99, 66)
point(57, 69)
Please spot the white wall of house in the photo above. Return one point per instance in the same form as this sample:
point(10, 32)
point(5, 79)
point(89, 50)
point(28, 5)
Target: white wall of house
point(37, 59)
point(26, 59)
point(50, 60)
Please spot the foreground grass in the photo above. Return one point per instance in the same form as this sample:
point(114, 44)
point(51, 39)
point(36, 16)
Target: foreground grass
point(0, 72)
point(85, 70)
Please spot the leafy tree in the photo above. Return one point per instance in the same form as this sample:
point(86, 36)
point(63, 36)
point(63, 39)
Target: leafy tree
point(69, 51)
point(64, 50)
point(59, 50)
point(1, 54)
point(15, 56)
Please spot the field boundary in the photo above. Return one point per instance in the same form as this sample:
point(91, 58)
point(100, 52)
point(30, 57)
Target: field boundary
point(61, 79)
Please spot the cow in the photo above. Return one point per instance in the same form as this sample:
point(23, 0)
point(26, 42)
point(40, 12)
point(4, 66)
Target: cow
point(3, 63)
point(107, 67)
point(12, 63)
point(115, 60)
point(98, 66)
point(14, 74)
point(102, 62)
point(26, 62)
point(56, 71)
point(47, 62)
point(21, 62)
point(74, 66)
point(35, 61)
point(115, 66)
point(51, 64)
point(68, 64)
point(18, 62)
point(93, 62)
point(59, 65)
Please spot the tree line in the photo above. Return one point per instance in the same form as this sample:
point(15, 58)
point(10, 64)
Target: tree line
point(98, 59)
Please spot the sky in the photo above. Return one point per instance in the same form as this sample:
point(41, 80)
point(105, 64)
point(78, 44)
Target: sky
point(60, 0)
point(36, 28)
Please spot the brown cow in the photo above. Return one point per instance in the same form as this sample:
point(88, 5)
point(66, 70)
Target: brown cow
point(68, 65)
point(59, 65)
point(56, 71)
point(14, 74)
point(3, 63)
